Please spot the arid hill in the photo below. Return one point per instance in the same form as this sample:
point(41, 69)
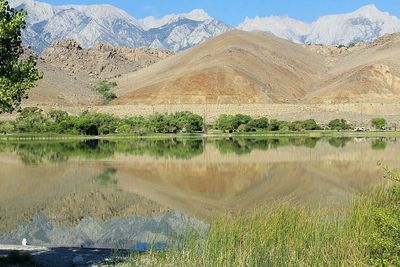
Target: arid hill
point(70, 71)
point(366, 74)
point(256, 67)
point(237, 67)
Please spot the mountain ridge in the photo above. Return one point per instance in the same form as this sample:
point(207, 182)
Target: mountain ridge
point(92, 24)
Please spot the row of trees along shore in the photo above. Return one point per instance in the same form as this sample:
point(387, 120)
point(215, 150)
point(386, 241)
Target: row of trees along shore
point(34, 120)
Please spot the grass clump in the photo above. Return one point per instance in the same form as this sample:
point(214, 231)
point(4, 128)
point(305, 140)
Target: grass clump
point(365, 234)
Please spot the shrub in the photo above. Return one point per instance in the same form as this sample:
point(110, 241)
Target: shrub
point(105, 89)
point(31, 120)
point(310, 125)
point(58, 116)
point(6, 127)
point(229, 123)
point(339, 125)
point(379, 123)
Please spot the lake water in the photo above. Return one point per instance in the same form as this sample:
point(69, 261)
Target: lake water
point(104, 193)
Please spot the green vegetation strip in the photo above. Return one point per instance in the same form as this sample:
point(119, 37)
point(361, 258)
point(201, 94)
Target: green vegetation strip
point(33, 123)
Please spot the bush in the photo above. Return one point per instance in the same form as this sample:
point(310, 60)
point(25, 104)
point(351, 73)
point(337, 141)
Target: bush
point(310, 125)
point(339, 125)
point(6, 127)
point(58, 116)
point(229, 123)
point(105, 89)
point(379, 123)
point(96, 124)
point(32, 120)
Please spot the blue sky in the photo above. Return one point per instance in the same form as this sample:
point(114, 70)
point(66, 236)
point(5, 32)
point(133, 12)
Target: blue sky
point(234, 11)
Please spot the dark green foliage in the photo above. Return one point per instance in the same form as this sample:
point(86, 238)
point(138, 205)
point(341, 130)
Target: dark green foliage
point(311, 125)
point(339, 142)
point(105, 88)
point(276, 125)
point(339, 125)
point(96, 124)
point(174, 123)
point(33, 153)
point(58, 116)
point(7, 127)
point(32, 120)
point(18, 72)
point(242, 146)
point(379, 123)
point(229, 123)
point(379, 144)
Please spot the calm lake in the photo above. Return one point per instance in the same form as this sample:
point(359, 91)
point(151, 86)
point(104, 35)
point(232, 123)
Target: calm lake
point(104, 193)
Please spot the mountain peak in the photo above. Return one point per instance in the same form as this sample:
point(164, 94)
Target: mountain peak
point(198, 15)
point(368, 9)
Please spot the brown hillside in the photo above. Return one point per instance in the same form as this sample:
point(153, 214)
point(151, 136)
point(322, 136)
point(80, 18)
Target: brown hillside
point(70, 71)
point(237, 67)
point(367, 74)
point(255, 67)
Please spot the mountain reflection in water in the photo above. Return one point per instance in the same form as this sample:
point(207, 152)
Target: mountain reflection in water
point(106, 180)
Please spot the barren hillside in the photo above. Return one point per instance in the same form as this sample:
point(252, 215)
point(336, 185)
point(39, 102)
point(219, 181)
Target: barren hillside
point(237, 67)
point(256, 67)
point(70, 71)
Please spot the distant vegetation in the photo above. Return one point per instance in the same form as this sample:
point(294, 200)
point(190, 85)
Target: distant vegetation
point(34, 120)
point(105, 88)
point(379, 123)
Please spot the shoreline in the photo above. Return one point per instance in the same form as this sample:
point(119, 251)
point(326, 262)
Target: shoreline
point(304, 134)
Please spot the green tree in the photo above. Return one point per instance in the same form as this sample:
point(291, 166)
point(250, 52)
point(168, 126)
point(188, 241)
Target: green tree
point(58, 116)
point(310, 125)
point(18, 73)
point(31, 120)
point(339, 125)
point(379, 123)
point(6, 127)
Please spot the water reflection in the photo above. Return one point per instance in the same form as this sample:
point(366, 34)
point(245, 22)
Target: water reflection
point(109, 179)
point(34, 153)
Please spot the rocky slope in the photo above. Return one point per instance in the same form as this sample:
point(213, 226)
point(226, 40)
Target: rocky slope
point(256, 67)
point(94, 24)
point(71, 71)
point(101, 61)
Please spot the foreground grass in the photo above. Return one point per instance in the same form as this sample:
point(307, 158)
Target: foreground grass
point(366, 234)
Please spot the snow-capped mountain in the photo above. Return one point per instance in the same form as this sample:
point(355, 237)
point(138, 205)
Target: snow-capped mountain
point(281, 26)
point(364, 24)
point(91, 24)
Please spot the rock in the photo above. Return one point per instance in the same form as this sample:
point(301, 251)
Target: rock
point(78, 260)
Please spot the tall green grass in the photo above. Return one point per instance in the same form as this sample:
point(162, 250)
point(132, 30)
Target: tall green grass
point(365, 234)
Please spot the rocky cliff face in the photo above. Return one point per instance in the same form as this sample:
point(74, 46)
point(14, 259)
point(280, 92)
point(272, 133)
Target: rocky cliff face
point(100, 61)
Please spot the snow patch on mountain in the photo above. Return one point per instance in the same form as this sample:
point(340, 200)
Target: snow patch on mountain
point(92, 24)
point(364, 24)
point(152, 22)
